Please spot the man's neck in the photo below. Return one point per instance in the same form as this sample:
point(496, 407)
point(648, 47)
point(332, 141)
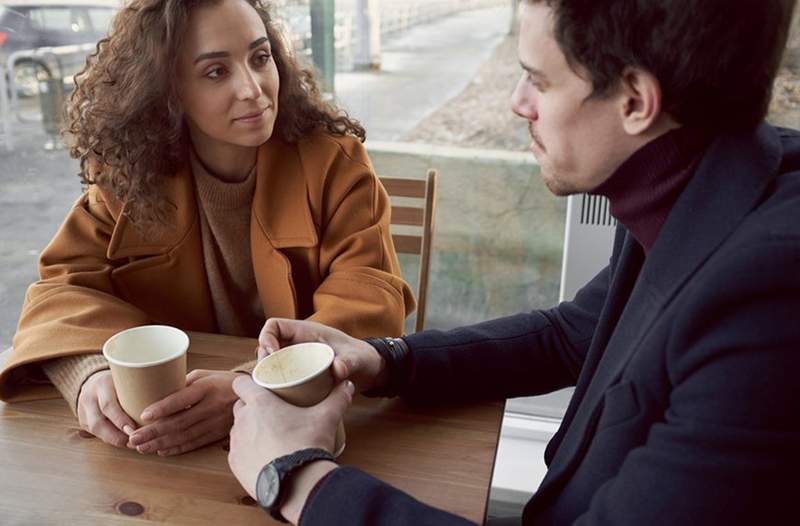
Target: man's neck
point(644, 188)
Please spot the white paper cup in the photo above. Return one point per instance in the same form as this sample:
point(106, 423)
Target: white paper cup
point(147, 364)
point(302, 375)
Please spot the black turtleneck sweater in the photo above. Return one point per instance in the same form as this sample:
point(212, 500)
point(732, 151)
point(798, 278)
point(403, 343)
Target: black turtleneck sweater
point(643, 189)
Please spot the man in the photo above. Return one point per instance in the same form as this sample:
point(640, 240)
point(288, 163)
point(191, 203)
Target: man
point(684, 351)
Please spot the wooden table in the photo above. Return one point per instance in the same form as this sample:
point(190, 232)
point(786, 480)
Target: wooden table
point(51, 472)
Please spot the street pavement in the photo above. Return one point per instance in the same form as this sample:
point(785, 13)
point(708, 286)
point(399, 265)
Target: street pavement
point(421, 70)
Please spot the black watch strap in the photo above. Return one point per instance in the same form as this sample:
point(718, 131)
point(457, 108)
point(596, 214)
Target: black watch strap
point(271, 483)
point(397, 360)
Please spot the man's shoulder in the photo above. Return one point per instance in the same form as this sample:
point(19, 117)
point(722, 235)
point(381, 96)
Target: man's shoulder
point(779, 211)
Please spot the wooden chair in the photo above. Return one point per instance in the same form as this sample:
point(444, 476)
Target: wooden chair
point(421, 217)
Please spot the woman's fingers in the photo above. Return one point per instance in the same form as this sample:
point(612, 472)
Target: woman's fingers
point(98, 425)
point(110, 407)
point(174, 403)
point(197, 438)
point(188, 438)
point(169, 425)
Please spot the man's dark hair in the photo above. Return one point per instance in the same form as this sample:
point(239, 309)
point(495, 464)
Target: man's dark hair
point(715, 59)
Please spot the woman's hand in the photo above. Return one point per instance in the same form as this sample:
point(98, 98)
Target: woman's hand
point(99, 412)
point(199, 414)
point(356, 360)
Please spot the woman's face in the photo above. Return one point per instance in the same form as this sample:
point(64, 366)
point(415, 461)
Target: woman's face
point(227, 79)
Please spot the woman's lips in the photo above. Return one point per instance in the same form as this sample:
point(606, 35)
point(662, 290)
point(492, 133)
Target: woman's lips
point(251, 117)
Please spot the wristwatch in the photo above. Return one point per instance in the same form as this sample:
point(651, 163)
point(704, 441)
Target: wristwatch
point(270, 485)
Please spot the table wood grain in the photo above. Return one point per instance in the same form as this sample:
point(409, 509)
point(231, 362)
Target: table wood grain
point(51, 472)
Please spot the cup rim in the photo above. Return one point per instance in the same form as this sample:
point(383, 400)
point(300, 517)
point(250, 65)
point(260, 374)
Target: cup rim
point(121, 363)
point(299, 381)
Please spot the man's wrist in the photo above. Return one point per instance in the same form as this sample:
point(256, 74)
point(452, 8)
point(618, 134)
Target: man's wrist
point(301, 482)
point(396, 362)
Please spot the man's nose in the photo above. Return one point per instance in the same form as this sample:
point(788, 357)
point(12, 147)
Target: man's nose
point(523, 100)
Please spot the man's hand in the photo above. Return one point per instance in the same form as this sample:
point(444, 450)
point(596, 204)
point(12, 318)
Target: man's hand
point(266, 428)
point(356, 360)
point(199, 414)
point(99, 411)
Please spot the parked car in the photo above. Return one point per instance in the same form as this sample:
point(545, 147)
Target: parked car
point(27, 25)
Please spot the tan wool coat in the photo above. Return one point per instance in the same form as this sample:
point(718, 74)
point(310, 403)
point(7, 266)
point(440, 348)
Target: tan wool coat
point(320, 244)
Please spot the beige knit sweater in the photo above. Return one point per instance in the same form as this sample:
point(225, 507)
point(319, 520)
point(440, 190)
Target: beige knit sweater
point(224, 209)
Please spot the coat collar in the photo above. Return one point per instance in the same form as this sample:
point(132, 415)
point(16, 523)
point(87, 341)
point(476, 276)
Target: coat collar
point(280, 207)
point(729, 182)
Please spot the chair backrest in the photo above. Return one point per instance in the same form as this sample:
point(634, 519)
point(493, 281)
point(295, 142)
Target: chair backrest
point(421, 216)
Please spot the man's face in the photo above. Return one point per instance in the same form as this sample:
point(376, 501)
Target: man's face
point(578, 141)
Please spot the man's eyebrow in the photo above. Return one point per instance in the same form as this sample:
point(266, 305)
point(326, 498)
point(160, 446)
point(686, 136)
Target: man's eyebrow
point(222, 54)
point(533, 71)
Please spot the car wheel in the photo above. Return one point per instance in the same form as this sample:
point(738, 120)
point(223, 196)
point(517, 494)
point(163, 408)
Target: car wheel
point(27, 74)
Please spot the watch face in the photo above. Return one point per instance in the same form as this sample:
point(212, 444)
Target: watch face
point(268, 486)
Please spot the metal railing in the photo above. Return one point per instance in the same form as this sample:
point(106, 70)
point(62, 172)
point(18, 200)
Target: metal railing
point(55, 68)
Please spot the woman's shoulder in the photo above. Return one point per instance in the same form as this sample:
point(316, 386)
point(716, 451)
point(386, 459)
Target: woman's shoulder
point(328, 146)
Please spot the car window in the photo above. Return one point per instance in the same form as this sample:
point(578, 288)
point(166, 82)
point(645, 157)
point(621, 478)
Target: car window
point(51, 19)
point(11, 20)
point(101, 19)
point(60, 19)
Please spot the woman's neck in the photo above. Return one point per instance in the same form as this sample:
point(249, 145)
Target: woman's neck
point(226, 162)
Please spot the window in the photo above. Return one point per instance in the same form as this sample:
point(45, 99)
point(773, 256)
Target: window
point(51, 19)
point(101, 19)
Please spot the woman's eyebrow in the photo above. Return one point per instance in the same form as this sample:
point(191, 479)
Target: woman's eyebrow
point(221, 54)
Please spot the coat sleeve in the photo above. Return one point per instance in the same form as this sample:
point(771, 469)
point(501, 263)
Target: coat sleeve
point(726, 451)
point(522, 355)
point(362, 291)
point(72, 308)
point(369, 502)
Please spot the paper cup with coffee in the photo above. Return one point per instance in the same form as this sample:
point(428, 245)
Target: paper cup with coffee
point(302, 375)
point(147, 364)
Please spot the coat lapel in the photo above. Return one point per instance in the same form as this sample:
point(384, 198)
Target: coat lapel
point(180, 246)
point(728, 184)
point(281, 218)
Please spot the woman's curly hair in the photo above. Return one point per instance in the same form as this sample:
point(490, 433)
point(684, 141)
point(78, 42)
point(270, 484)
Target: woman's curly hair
point(125, 120)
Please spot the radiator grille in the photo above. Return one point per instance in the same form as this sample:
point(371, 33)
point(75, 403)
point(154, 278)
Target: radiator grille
point(595, 211)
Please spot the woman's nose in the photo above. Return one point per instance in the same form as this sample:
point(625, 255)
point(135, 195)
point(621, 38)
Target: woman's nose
point(247, 85)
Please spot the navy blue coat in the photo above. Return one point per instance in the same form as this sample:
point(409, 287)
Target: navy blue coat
point(686, 366)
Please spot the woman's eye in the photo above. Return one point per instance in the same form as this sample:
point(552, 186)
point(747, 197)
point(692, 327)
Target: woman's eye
point(215, 73)
point(263, 58)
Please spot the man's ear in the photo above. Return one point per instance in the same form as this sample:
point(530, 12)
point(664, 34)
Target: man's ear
point(640, 101)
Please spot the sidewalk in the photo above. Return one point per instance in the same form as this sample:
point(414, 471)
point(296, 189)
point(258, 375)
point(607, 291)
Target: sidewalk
point(422, 69)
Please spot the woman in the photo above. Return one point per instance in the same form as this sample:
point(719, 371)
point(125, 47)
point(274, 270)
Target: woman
point(221, 192)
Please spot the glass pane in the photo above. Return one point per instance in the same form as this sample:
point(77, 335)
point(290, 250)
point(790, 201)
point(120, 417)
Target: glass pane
point(52, 18)
point(101, 19)
point(785, 107)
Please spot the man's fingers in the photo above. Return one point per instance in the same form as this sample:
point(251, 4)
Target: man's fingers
point(338, 401)
point(174, 403)
point(237, 407)
point(341, 369)
point(270, 337)
point(246, 389)
point(278, 332)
